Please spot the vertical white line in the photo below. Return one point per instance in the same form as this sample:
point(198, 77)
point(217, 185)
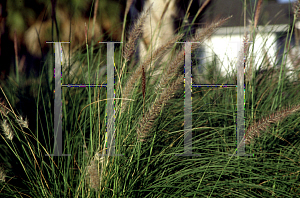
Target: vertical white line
point(58, 149)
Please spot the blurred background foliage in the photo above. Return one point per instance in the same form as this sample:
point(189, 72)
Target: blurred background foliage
point(18, 16)
point(22, 14)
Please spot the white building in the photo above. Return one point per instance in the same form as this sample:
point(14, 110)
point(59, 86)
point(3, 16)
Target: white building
point(227, 41)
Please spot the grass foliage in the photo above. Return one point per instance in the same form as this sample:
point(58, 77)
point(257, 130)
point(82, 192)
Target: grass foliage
point(149, 129)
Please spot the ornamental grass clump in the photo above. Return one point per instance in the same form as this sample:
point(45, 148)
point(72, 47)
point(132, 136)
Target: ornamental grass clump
point(148, 132)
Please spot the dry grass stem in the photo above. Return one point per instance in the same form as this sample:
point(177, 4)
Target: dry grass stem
point(147, 122)
point(163, 14)
point(256, 17)
point(202, 7)
point(255, 128)
point(246, 49)
point(94, 18)
point(134, 35)
point(85, 33)
point(128, 5)
point(253, 25)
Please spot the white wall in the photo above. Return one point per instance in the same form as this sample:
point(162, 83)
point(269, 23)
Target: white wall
point(226, 44)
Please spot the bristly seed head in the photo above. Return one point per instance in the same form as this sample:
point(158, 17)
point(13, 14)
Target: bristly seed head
point(134, 35)
point(296, 9)
point(22, 122)
point(255, 128)
point(2, 175)
point(7, 130)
